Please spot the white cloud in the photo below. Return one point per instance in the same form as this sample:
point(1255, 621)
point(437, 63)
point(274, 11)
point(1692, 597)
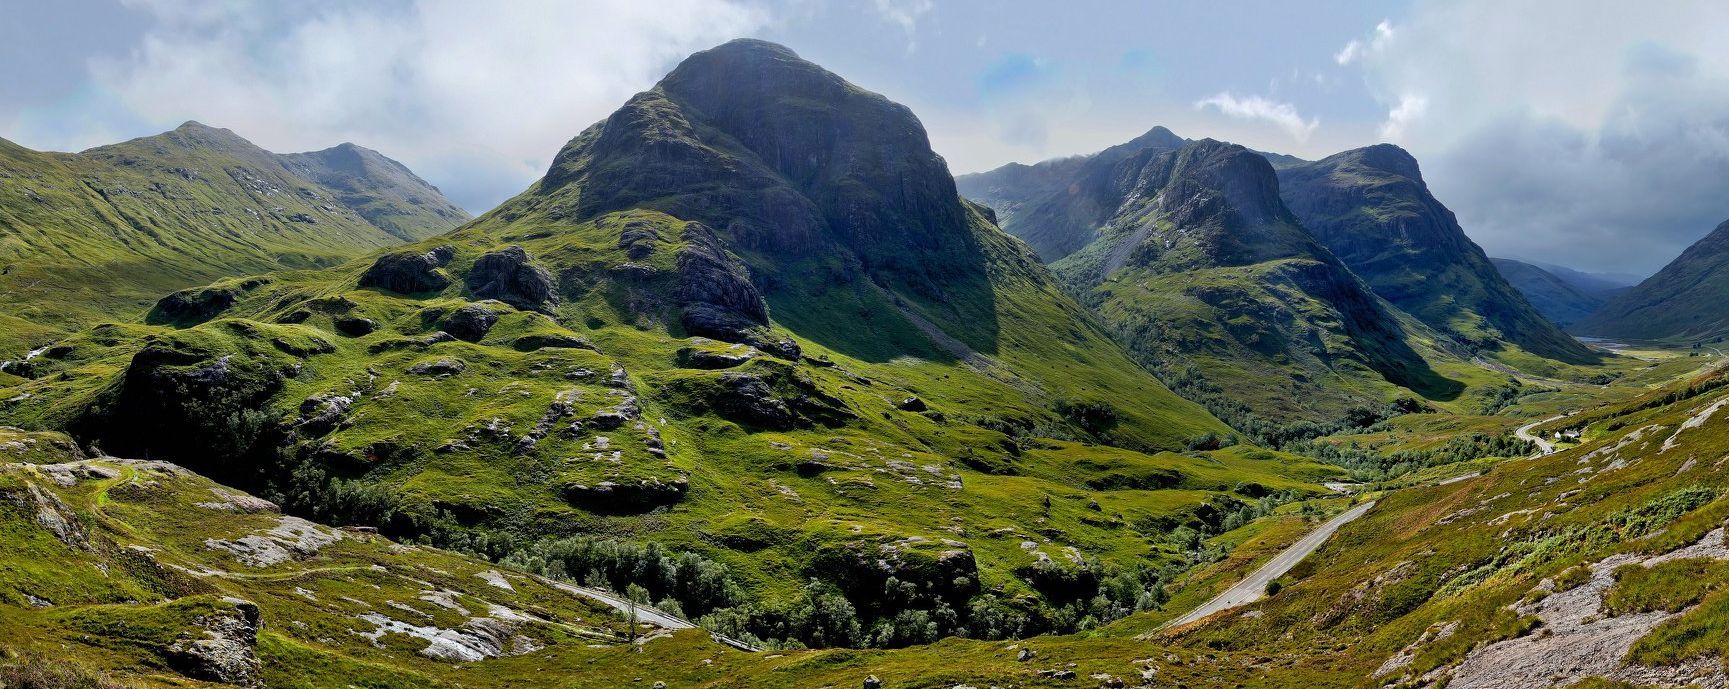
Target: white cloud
point(906, 14)
point(1282, 115)
point(475, 97)
point(1356, 49)
point(1410, 107)
point(1588, 133)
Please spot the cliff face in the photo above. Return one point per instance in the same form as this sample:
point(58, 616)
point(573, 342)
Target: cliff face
point(1371, 208)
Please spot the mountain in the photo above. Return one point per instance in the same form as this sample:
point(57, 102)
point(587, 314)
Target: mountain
point(103, 233)
point(746, 318)
point(1059, 206)
point(1683, 301)
point(1371, 208)
point(1203, 271)
point(1603, 285)
point(1558, 299)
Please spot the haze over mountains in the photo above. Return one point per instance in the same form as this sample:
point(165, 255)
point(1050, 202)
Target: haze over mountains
point(747, 358)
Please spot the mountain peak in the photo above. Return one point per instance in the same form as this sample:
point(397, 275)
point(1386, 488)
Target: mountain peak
point(1384, 157)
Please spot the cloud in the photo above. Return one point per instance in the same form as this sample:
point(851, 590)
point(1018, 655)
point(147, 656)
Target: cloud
point(906, 14)
point(1410, 107)
point(1600, 141)
point(1355, 49)
point(1282, 115)
point(475, 97)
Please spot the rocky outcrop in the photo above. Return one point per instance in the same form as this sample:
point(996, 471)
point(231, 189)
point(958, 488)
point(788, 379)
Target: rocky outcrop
point(627, 495)
point(508, 275)
point(718, 297)
point(222, 647)
point(470, 323)
point(529, 343)
point(200, 304)
point(410, 273)
point(441, 367)
point(354, 326)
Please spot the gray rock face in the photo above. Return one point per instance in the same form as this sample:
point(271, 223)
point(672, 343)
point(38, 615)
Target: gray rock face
point(442, 367)
point(718, 297)
point(638, 495)
point(508, 276)
point(410, 273)
point(470, 323)
point(226, 648)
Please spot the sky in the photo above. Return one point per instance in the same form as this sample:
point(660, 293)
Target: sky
point(1584, 133)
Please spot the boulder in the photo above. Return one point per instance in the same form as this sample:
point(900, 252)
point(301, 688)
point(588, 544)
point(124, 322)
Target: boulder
point(470, 323)
point(690, 357)
point(222, 647)
point(410, 273)
point(508, 276)
point(529, 343)
point(355, 326)
point(442, 367)
point(911, 404)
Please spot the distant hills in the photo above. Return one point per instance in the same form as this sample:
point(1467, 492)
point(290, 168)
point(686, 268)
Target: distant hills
point(1559, 299)
point(1203, 272)
point(1365, 216)
point(105, 232)
point(1683, 301)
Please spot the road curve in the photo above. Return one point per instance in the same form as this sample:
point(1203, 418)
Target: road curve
point(1254, 587)
point(1543, 446)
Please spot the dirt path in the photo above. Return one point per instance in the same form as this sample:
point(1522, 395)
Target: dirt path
point(643, 612)
point(1254, 587)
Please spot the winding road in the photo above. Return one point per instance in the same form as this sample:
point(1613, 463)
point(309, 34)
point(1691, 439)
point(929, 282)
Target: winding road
point(1543, 446)
point(1254, 587)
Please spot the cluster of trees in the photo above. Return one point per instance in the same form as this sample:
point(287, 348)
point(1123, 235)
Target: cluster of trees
point(1374, 465)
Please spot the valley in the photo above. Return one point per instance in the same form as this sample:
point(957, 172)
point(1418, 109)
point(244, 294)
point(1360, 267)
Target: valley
point(748, 390)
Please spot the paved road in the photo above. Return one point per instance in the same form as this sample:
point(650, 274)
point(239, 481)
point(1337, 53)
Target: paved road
point(1543, 446)
point(1254, 587)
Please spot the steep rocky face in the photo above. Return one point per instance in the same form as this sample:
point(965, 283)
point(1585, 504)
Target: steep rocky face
point(1558, 300)
point(1059, 206)
point(784, 157)
point(1371, 208)
point(103, 233)
point(1683, 301)
point(1202, 267)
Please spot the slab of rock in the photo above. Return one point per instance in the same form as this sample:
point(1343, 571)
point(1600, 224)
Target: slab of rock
point(470, 323)
point(410, 273)
point(509, 276)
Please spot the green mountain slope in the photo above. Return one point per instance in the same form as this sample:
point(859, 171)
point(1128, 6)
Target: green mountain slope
point(1683, 301)
point(1558, 300)
point(747, 316)
point(1371, 207)
point(103, 233)
point(1203, 272)
point(1061, 205)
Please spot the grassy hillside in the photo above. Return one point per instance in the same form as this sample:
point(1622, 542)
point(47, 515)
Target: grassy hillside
point(685, 334)
point(102, 234)
point(1682, 302)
